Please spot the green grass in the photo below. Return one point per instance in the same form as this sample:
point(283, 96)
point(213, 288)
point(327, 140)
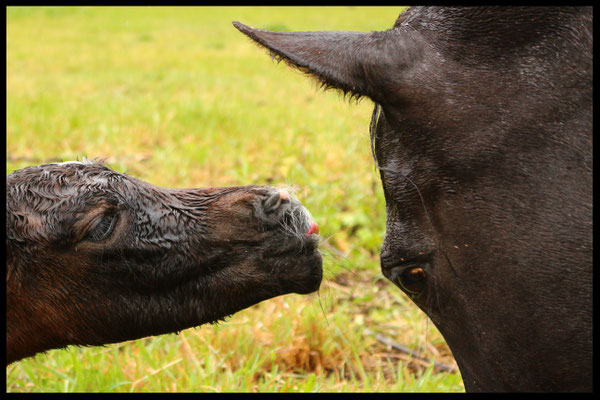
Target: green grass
point(180, 98)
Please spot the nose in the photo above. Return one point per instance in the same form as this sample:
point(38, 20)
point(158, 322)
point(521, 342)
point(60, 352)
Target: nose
point(272, 207)
point(275, 200)
point(280, 208)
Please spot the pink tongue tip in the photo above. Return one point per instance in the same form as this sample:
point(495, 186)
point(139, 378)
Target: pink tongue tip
point(314, 228)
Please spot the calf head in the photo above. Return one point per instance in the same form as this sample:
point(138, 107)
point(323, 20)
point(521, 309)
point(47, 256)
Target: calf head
point(95, 256)
point(482, 134)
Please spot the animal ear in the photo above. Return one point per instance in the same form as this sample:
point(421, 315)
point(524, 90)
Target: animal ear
point(354, 62)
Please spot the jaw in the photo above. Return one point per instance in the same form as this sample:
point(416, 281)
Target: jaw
point(171, 296)
point(211, 297)
point(304, 275)
point(297, 266)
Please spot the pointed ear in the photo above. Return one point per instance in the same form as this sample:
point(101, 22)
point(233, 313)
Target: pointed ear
point(358, 63)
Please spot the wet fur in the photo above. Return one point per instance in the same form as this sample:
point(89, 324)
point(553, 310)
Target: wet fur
point(482, 134)
point(177, 258)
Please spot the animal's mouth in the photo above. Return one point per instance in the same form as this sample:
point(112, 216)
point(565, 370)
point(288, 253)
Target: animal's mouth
point(296, 251)
point(299, 267)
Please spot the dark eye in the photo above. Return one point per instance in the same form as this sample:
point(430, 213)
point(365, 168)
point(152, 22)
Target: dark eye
point(413, 280)
point(103, 228)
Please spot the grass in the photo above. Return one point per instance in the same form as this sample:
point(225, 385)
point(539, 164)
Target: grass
point(178, 97)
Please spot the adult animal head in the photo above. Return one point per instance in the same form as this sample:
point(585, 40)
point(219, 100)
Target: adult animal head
point(95, 256)
point(482, 133)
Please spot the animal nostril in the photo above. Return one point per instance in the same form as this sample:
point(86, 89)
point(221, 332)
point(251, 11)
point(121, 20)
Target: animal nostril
point(275, 199)
point(283, 195)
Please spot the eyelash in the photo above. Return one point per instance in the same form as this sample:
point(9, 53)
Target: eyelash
point(104, 228)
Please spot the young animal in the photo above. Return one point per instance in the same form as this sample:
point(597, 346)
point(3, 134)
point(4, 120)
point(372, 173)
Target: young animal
point(482, 133)
point(95, 256)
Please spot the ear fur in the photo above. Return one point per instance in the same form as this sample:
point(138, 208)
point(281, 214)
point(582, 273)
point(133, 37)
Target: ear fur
point(354, 62)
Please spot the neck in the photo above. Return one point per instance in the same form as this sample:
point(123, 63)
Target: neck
point(27, 331)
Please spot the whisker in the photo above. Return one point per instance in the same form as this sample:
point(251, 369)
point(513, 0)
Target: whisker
point(323, 309)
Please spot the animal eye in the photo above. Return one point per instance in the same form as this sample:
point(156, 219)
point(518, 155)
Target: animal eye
point(104, 228)
point(413, 280)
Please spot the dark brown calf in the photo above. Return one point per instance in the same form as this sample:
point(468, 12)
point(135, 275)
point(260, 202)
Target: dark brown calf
point(95, 256)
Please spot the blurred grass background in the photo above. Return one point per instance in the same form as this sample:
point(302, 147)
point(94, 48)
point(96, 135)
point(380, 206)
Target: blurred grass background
point(178, 97)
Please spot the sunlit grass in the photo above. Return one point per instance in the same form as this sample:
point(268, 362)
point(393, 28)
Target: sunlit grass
point(178, 97)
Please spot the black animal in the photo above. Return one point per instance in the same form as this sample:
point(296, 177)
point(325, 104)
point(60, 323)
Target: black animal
point(482, 133)
point(95, 256)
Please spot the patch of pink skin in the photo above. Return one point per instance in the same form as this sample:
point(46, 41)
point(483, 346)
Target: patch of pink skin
point(314, 228)
point(283, 195)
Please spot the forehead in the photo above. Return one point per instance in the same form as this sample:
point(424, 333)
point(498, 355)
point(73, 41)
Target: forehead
point(76, 173)
point(58, 182)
